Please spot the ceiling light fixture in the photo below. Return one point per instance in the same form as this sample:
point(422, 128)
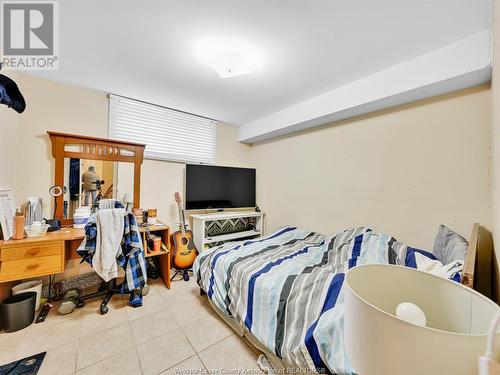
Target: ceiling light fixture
point(229, 58)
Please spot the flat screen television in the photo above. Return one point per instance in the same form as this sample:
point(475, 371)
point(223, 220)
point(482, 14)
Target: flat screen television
point(209, 186)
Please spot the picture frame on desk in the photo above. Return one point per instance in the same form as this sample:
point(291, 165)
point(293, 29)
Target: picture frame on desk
point(7, 212)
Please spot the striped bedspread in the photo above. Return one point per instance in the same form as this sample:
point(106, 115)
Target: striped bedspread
point(286, 289)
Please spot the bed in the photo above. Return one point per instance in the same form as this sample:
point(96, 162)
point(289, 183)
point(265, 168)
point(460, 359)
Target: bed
point(283, 292)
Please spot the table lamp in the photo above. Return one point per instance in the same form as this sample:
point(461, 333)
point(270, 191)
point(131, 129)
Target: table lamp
point(399, 320)
point(127, 199)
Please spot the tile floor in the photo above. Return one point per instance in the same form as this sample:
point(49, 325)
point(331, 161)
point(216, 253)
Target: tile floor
point(174, 332)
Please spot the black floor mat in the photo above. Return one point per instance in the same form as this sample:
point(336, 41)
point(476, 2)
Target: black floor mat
point(25, 366)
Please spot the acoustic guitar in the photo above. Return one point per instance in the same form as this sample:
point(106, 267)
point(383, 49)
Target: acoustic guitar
point(184, 252)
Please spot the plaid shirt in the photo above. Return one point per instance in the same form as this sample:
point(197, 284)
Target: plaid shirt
point(131, 255)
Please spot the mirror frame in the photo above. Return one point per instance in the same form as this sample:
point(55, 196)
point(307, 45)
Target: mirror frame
point(94, 148)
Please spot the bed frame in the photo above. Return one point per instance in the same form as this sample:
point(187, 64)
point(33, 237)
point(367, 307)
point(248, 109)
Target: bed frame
point(479, 274)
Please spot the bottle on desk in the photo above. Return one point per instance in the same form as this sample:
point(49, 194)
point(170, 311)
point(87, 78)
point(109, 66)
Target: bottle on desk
point(18, 225)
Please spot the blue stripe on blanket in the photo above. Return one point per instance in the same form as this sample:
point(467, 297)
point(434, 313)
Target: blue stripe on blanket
point(356, 251)
point(411, 261)
point(253, 279)
point(330, 300)
point(218, 255)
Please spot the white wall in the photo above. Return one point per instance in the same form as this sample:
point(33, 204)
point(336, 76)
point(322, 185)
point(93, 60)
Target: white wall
point(401, 171)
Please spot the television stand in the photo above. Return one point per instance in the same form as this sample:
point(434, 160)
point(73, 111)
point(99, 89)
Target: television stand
point(214, 229)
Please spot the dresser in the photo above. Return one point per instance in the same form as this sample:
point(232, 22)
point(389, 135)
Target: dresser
point(40, 256)
point(48, 255)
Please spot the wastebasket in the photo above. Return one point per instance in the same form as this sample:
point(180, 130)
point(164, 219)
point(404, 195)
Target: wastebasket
point(30, 286)
point(18, 311)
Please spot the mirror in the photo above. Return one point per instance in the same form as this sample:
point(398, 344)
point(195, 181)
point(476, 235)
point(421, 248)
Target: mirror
point(88, 181)
point(125, 157)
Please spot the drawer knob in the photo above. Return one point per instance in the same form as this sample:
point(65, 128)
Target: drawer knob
point(33, 252)
point(32, 266)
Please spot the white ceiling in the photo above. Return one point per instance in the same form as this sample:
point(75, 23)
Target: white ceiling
point(145, 49)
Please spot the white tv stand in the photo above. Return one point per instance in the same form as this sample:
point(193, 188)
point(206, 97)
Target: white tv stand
point(216, 228)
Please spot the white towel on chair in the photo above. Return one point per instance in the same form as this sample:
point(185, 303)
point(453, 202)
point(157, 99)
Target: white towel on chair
point(110, 225)
point(107, 203)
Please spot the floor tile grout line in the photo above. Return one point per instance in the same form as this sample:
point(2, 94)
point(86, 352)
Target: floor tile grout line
point(218, 342)
point(104, 359)
point(101, 360)
point(204, 306)
point(203, 363)
point(76, 356)
point(208, 347)
point(138, 359)
point(184, 360)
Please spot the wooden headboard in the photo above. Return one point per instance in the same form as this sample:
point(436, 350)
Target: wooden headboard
point(479, 270)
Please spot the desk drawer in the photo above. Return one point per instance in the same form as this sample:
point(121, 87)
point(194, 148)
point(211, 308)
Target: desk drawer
point(31, 251)
point(31, 267)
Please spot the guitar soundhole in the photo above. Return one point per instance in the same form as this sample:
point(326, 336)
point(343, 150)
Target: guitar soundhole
point(184, 241)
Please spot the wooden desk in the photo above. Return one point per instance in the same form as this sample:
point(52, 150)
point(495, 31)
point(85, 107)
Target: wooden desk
point(48, 255)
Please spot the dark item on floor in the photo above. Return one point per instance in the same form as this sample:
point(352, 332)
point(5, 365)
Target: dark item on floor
point(44, 312)
point(107, 290)
point(42, 315)
point(153, 266)
point(26, 366)
point(18, 311)
point(10, 94)
point(184, 273)
point(53, 291)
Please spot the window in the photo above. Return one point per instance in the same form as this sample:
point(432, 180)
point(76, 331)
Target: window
point(168, 134)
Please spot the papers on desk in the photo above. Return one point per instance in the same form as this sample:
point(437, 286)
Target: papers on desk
point(7, 212)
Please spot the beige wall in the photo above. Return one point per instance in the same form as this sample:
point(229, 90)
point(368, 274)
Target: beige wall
point(402, 171)
point(51, 106)
point(8, 140)
point(495, 139)
point(71, 109)
point(160, 180)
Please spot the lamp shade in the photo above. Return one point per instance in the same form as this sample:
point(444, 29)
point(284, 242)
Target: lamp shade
point(127, 198)
point(377, 342)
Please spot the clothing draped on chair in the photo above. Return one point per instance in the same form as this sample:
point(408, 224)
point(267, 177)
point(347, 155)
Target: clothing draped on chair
point(112, 238)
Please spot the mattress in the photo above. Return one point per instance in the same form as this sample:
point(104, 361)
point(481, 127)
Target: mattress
point(286, 289)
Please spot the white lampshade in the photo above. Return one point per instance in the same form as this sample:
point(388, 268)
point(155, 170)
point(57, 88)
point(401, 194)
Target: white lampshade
point(127, 198)
point(377, 342)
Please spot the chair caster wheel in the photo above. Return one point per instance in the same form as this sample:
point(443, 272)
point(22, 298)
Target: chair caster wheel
point(104, 309)
point(185, 276)
point(80, 304)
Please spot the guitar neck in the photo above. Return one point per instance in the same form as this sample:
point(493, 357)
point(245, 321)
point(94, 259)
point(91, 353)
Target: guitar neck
point(181, 218)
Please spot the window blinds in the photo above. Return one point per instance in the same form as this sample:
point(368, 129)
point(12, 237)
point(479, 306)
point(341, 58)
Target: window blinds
point(168, 134)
